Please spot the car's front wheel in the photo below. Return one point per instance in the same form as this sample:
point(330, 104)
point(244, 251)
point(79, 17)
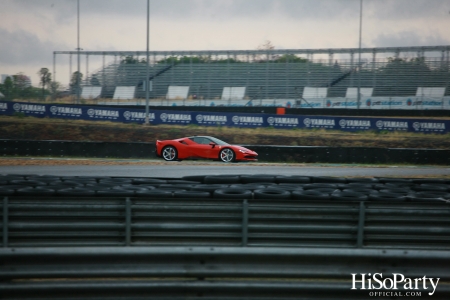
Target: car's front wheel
point(227, 155)
point(170, 153)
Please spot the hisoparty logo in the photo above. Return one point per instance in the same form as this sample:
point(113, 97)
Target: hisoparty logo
point(396, 285)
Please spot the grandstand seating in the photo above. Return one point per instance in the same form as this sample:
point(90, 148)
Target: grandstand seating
point(279, 80)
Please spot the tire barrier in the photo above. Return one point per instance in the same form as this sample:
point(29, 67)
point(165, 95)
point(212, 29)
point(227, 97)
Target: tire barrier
point(231, 186)
point(297, 154)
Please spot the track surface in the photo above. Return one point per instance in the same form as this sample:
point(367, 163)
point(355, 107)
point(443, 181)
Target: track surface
point(179, 169)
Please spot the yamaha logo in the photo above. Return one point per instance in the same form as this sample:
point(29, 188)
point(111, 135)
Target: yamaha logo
point(270, 120)
point(307, 122)
point(379, 124)
point(235, 119)
point(127, 115)
point(91, 112)
point(163, 117)
point(416, 125)
point(343, 123)
point(16, 107)
point(53, 109)
point(199, 118)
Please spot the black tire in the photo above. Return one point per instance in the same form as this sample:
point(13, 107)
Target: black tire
point(176, 186)
point(328, 179)
point(363, 180)
point(221, 179)
point(349, 196)
point(429, 196)
point(30, 183)
point(365, 191)
point(133, 187)
point(161, 194)
point(169, 153)
point(386, 197)
point(257, 179)
point(227, 155)
point(430, 181)
point(75, 192)
point(431, 187)
point(288, 187)
point(37, 191)
point(4, 191)
point(67, 184)
point(115, 193)
point(398, 191)
point(309, 195)
point(151, 181)
point(293, 179)
point(232, 194)
point(311, 186)
point(196, 178)
point(271, 193)
point(208, 187)
point(248, 186)
point(192, 194)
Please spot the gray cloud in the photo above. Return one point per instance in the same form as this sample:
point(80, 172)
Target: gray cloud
point(409, 38)
point(23, 47)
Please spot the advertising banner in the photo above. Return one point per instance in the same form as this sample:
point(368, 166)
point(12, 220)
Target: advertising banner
point(245, 120)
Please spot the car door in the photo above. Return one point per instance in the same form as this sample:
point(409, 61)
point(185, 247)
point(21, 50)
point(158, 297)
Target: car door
point(201, 147)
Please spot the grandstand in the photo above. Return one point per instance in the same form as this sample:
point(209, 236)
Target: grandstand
point(277, 74)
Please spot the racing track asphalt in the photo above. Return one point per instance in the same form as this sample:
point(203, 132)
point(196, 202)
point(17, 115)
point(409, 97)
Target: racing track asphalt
point(180, 169)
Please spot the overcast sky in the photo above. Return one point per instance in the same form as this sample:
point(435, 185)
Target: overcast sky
point(30, 30)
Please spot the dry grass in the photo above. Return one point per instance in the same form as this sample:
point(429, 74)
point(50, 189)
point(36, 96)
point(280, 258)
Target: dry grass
point(79, 130)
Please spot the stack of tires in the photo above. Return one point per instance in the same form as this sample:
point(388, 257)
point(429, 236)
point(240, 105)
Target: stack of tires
point(272, 187)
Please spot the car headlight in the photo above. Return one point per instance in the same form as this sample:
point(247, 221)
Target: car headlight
point(243, 151)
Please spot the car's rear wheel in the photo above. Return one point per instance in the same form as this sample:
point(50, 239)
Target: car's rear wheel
point(170, 153)
point(227, 155)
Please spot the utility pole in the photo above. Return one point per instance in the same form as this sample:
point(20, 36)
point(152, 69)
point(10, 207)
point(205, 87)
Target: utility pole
point(78, 52)
point(147, 82)
point(359, 54)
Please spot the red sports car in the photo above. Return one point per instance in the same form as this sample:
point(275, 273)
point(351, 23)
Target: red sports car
point(203, 147)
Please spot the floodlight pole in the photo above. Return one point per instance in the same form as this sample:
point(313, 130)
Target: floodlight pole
point(147, 82)
point(359, 54)
point(78, 51)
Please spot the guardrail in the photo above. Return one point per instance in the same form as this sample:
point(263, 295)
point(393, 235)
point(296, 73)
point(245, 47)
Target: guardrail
point(266, 153)
point(75, 221)
point(221, 273)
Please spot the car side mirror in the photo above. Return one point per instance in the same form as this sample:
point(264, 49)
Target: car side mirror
point(212, 144)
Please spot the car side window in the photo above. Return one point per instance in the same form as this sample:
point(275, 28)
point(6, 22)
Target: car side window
point(201, 140)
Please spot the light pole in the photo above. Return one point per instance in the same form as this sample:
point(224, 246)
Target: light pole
point(78, 52)
point(359, 54)
point(147, 83)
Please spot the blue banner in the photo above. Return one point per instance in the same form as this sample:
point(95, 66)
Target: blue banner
point(124, 115)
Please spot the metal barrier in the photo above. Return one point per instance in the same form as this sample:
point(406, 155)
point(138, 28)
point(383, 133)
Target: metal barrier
point(40, 221)
point(221, 273)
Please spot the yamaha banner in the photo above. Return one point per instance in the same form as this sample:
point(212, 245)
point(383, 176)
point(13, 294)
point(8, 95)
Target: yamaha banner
point(156, 117)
